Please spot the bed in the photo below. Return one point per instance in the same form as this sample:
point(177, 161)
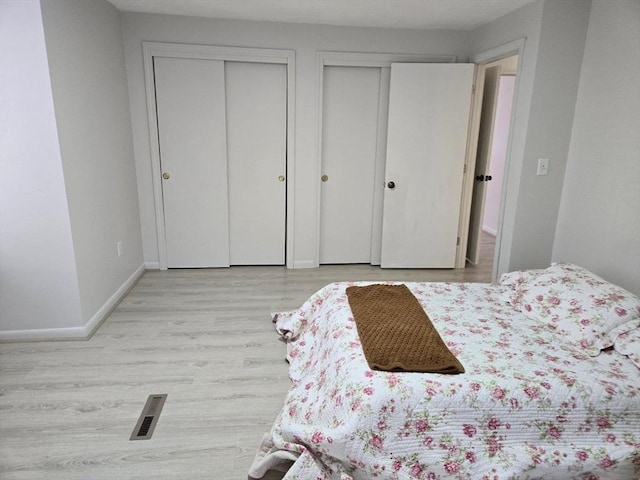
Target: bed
point(550, 389)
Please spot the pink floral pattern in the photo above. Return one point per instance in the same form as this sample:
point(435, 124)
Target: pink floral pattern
point(528, 406)
point(575, 303)
point(628, 344)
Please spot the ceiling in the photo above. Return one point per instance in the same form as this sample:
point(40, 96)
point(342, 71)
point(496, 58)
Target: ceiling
point(425, 14)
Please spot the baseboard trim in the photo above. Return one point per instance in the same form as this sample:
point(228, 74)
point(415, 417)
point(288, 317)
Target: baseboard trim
point(305, 264)
point(489, 230)
point(76, 333)
point(43, 335)
point(152, 265)
point(101, 315)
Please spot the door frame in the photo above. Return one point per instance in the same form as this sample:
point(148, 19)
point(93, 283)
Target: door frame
point(230, 54)
point(352, 59)
point(482, 59)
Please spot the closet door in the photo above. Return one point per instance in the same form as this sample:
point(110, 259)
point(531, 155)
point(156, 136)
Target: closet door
point(256, 98)
point(351, 97)
point(190, 102)
point(429, 107)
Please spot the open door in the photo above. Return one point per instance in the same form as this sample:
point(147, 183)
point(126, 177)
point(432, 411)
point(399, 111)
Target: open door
point(481, 173)
point(429, 112)
point(498, 78)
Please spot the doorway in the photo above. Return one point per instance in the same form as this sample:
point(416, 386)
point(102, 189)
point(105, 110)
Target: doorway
point(488, 178)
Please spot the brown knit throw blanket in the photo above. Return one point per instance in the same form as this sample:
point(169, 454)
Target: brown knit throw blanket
point(396, 333)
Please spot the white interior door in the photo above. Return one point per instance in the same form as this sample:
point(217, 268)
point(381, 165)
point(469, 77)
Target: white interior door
point(429, 108)
point(483, 157)
point(190, 102)
point(350, 153)
point(256, 97)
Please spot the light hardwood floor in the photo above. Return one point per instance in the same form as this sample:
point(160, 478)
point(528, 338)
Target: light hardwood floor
point(204, 337)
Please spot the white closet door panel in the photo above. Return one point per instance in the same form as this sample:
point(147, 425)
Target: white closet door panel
point(256, 142)
point(349, 139)
point(190, 105)
point(429, 107)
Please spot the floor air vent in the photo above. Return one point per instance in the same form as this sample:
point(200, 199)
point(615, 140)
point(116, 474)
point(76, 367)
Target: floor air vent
point(149, 417)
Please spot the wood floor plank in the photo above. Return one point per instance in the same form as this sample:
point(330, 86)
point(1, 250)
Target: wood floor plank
point(204, 337)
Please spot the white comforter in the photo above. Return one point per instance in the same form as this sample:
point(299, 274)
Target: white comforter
point(528, 406)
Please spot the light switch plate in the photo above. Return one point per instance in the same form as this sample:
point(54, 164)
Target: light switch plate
point(543, 166)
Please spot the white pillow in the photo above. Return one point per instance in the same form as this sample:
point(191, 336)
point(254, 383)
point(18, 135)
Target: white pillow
point(589, 311)
point(628, 344)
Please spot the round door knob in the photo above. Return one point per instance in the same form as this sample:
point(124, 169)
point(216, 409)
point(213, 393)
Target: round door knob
point(488, 178)
point(166, 176)
point(391, 185)
point(281, 178)
point(324, 178)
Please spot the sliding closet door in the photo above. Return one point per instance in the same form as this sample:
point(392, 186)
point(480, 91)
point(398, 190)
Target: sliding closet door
point(190, 101)
point(351, 97)
point(256, 97)
point(222, 137)
point(429, 107)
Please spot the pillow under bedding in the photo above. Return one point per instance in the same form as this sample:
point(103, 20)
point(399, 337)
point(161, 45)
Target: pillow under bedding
point(587, 310)
point(628, 344)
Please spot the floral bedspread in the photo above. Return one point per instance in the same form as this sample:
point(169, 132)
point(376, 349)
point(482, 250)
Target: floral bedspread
point(528, 406)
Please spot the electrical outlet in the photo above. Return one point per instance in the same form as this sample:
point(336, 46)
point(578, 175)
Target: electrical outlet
point(120, 250)
point(543, 166)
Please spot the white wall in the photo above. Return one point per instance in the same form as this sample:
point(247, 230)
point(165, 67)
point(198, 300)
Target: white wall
point(88, 78)
point(555, 33)
point(555, 87)
point(38, 281)
point(599, 221)
point(306, 40)
point(67, 186)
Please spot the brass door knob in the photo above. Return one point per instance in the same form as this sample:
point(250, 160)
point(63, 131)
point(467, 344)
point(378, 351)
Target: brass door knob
point(281, 178)
point(166, 175)
point(324, 178)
